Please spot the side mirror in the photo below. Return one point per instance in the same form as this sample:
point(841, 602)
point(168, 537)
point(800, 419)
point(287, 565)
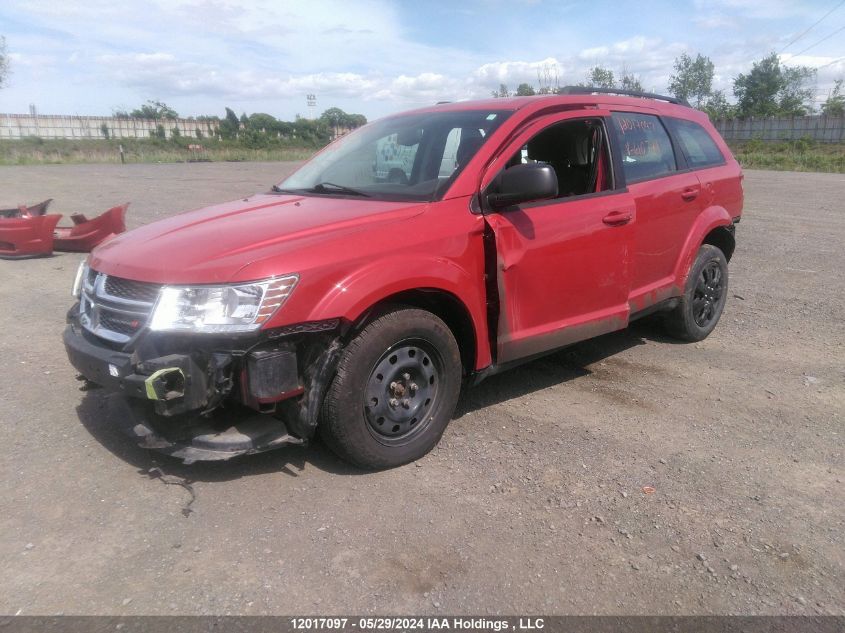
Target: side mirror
point(523, 183)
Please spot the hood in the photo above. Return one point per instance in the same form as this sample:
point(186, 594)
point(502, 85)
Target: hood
point(212, 244)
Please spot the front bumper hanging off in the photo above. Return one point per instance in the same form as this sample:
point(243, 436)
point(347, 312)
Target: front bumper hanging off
point(198, 401)
point(205, 440)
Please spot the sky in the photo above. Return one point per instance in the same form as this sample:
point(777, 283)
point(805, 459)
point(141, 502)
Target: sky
point(375, 57)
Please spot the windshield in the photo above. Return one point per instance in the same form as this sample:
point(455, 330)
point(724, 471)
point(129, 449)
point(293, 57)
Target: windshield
point(407, 157)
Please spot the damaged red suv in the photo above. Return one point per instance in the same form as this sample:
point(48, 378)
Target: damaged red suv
point(420, 253)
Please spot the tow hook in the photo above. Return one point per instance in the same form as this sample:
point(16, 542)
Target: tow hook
point(165, 384)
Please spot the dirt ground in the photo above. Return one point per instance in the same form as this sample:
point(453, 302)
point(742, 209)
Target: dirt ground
point(532, 503)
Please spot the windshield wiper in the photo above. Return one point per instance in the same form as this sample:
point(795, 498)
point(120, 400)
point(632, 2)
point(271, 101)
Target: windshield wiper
point(330, 187)
point(278, 189)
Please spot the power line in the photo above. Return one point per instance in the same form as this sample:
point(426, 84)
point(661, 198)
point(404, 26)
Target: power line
point(820, 41)
point(830, 63)
point(811, 27)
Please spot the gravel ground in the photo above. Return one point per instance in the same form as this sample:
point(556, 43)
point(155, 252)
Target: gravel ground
point(539, 498)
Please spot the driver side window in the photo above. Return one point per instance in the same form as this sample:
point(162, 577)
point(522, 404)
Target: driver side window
point(577, 150)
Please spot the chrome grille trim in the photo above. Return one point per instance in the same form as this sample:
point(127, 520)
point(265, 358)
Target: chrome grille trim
point(109, 305)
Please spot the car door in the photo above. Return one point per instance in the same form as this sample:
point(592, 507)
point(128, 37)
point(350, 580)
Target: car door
point(667, 196)
point(562, 265)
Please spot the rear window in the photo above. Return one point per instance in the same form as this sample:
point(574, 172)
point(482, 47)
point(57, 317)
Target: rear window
point(698, 146)
point(646, 148)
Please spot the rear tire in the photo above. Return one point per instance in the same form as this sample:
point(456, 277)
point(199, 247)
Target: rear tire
point(704, 297)
point(395, 390)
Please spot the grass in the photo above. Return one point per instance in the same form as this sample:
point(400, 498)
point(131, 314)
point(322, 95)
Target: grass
point(800, 155)
point(37, 151)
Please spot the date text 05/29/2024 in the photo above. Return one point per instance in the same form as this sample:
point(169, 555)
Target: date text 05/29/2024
point(416, 623)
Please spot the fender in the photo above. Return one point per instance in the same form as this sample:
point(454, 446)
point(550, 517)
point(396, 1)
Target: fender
point(712, 217)
point(365, 287)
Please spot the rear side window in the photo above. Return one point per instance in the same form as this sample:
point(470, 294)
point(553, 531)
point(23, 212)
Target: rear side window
point(645, 145)
point(698, 146)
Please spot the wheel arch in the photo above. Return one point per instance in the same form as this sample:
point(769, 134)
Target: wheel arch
point(442, 304)
point(722, 237)
point(712, 226)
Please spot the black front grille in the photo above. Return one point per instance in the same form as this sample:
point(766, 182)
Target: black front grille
point(120, 323)
point(134, 290)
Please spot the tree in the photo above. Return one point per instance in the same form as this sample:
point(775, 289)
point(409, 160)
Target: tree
point(4, 62)
point(263, 122)
point(501, 92)
point(316, 132)
point(796, 97)
point(230, 125)
point(630, 82)
point(717, 106)
point(693, 79)
point(757, 91)
point(525, 90)
point(600, 77)
point(357, 120)
point(770, 89)
point(337, 120)
point(835, 103)
point(154, 110)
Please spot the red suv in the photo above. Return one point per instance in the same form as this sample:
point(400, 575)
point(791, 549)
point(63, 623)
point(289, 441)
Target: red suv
point(421, 252)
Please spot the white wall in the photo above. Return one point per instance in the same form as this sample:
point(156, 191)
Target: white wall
point(15, 126)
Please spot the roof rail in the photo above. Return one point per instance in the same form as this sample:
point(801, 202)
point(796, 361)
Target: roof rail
point(586, 90)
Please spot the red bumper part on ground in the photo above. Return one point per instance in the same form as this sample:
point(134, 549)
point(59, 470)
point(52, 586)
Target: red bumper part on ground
point(30, 233)
point(24, 210)
point(27, 236)
point(85, 234)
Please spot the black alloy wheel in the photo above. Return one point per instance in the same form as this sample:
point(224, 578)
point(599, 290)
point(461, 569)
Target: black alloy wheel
point(701, 305)
point(708, 294)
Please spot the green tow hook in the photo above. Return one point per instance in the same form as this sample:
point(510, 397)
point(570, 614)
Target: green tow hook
point(150, 383)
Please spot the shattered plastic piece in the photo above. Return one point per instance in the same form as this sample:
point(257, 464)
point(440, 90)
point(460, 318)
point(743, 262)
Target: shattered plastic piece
point(24, 210)
point(648, 490)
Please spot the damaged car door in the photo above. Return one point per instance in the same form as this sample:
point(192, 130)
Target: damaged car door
point(563, 269)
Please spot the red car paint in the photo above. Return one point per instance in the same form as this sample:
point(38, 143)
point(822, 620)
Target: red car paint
point(29, 232)
point(565, 271)
point(27, 236)
point(85, 234)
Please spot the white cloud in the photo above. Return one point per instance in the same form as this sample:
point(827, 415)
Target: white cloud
point(204, 54)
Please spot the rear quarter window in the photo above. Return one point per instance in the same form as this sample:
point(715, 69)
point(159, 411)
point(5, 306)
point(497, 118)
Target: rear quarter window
point(645, 146)
point(698, 146)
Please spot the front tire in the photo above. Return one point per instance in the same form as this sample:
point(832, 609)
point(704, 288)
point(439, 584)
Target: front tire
point(704, 297)
point(395, 390)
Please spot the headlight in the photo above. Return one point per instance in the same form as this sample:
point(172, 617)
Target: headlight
point(81, 274)
point(209, 309)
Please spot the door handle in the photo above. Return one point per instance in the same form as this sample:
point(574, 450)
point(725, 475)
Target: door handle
point(689, 194)
point(617, 218)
